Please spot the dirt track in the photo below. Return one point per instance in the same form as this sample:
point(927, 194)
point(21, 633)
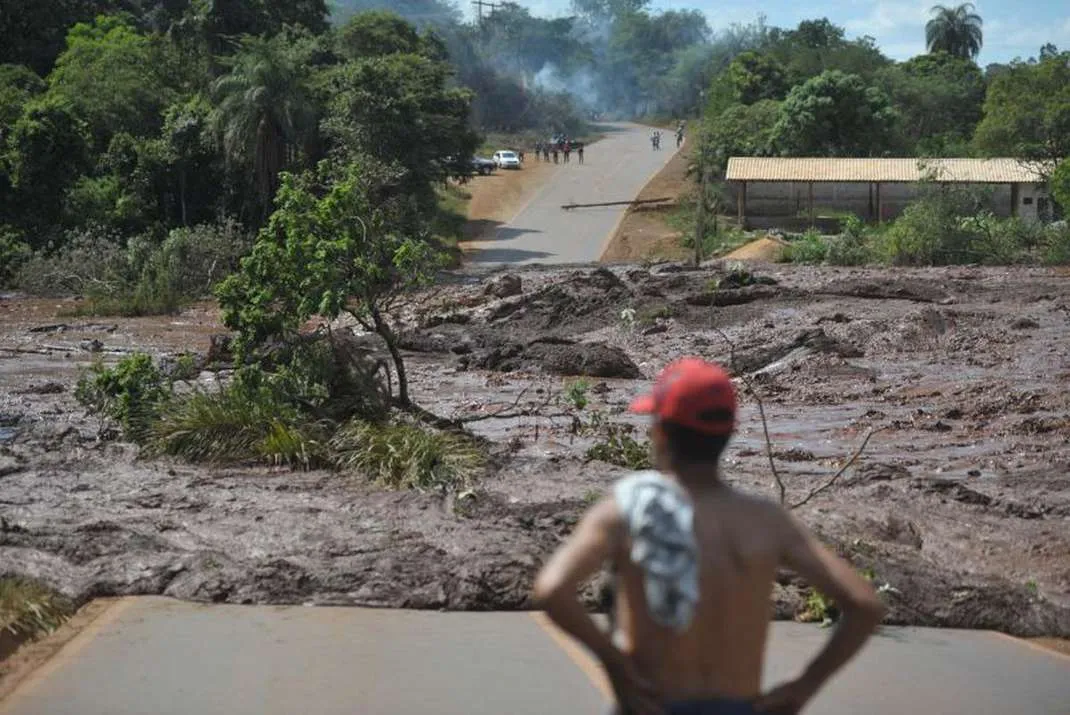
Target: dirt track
point(961, 505)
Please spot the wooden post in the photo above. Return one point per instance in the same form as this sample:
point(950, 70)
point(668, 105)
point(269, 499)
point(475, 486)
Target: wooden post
point(869, 212)
point(700, 216)
point(1014, 199)
point(741, 204)
point(880, 207)
point(810, 193)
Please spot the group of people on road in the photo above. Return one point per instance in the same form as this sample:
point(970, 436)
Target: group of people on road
point(559, 147)
point(655, 137)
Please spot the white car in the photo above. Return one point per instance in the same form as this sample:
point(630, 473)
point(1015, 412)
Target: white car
point(506, 159)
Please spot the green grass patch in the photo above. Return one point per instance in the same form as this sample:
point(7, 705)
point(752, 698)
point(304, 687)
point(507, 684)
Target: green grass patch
point(30, 609)
point(238, 425)
point(721, 236)
point(404, 455)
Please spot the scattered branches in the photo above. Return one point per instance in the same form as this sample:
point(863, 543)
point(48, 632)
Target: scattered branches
point(514, 410)
point(781, 488)
point(749, 388)
point(835, 477)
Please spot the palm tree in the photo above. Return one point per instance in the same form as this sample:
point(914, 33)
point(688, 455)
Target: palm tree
point(955, 30)
point(263, 112)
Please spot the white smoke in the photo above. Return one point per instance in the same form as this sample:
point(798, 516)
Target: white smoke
point(581, 85)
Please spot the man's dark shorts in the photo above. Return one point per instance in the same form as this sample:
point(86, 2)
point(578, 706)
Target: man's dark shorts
point(717, 706)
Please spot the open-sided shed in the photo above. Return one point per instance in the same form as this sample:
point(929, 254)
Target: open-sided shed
point(876, 189)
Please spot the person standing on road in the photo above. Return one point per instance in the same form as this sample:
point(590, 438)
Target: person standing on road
point(579, 151)
point(554, 152)
point(568, 150)
point(538, 151)
point(695, 563)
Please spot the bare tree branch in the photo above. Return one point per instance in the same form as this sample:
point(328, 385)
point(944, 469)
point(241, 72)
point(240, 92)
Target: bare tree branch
point(749, 388)
point(835, 477)
point(511, 411)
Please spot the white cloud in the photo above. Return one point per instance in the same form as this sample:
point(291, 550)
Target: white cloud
point(1015, 34)
point(891, 15)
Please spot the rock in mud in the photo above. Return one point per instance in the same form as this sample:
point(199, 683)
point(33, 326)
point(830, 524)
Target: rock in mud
point(877, 472)
point(1024, 324)
point(915, 289)
point(505, 286)
point(44, 388)
point(952, 489)
point(733, 296)
point(806, 343)
point(587, 359)
point(220, 349)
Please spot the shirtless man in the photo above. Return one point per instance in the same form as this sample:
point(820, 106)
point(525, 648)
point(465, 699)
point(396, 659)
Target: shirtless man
point(695, 562)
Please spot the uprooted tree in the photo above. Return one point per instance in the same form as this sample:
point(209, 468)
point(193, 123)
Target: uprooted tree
point(333, 246)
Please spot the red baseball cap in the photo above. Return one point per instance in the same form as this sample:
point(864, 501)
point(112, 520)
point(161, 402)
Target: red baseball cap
point(693, 393)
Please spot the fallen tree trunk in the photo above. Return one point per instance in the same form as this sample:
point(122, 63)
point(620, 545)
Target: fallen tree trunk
point(617, 203)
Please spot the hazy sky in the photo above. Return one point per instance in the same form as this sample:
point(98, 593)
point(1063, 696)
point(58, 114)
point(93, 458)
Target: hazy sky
point(1011, 29)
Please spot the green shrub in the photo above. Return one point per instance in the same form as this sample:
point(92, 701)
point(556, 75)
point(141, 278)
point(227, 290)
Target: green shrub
point(1000, 242)
point(132, 394)
point(851, 247)
point(931, 230)
point(147, 276)
point(1060, 185)
point(89, 260)
point(403, 455)
point(616, 445)
point(27, 608)
point(14, 253)
point(576, 393)
point(811, 248)
point(1055, 250)
point(252, 418)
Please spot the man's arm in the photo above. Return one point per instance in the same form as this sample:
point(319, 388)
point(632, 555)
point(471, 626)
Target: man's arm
point(598, 536)
point(860, 607)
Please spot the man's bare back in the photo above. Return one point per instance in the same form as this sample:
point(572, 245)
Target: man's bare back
point(739, 543)
point(721, 653)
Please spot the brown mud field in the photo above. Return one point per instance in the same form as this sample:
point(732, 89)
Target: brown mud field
point(959, 506)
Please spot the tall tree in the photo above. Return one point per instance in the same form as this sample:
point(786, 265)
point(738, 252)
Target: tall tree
point(755, 76)
point(47, 152)
point(954, 30)
point(263, 112)
point(108, 73)
point(334, 245)
point(835, 114)
point(1027, 112)
point(400, 109)
point(939, 99)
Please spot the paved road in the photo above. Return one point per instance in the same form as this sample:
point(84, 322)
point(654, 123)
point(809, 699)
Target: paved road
point(155, 656)
point(615, 169)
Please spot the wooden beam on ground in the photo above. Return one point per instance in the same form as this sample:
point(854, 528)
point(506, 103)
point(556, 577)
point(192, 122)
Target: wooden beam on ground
point(617, 203)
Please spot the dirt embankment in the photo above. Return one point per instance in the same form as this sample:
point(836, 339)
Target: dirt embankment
point(960, 505)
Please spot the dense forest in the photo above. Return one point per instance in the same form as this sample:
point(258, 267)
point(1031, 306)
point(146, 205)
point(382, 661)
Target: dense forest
point(142, 122)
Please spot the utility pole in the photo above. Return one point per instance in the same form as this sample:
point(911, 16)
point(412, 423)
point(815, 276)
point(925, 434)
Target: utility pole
point(480, 4)
point(700, 213)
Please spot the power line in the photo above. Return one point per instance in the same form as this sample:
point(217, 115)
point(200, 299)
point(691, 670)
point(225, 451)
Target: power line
point(480, 4)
